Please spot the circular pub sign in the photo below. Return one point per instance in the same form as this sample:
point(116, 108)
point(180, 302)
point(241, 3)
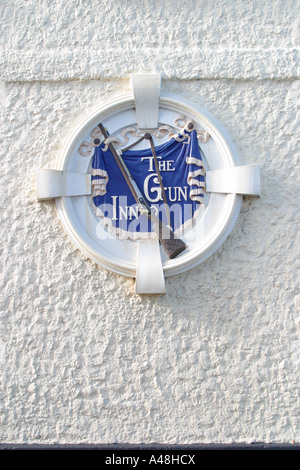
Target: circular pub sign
point(149, 185)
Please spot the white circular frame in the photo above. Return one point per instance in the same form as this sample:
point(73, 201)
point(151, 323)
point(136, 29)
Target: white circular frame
point(118, 255)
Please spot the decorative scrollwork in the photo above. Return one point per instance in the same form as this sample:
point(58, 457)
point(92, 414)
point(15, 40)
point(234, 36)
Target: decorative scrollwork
point(187, 125)
point(180, 132)
point(86, 148)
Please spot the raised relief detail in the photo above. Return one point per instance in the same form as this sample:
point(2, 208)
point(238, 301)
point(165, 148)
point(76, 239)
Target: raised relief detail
point(120, 140)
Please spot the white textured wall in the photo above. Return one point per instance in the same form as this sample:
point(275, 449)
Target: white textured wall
point(82, 358)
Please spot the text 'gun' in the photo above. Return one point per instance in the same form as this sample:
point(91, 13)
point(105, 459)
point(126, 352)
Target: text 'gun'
point(172, 245)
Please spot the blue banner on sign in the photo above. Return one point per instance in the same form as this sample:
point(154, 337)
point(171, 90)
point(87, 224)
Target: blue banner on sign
point(183, 177)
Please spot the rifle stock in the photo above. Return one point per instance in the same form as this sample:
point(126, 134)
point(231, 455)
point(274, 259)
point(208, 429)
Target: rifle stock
point(172, 245)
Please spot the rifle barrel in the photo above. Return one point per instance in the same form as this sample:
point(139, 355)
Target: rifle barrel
point(172, 245)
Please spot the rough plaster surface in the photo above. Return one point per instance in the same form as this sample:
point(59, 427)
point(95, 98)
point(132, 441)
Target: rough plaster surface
point(215, 359)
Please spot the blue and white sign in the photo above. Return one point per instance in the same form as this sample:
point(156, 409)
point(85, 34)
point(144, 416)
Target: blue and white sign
point(183, 176)
point(94, 203)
